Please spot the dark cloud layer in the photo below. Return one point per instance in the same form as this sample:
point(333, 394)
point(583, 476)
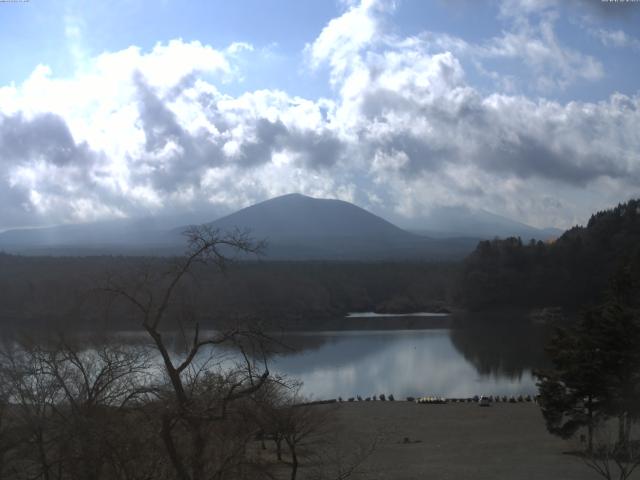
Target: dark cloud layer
point(46, 137)
point(45, 141)
point(182, 166)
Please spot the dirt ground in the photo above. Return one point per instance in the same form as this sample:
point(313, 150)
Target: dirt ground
point(458, 441)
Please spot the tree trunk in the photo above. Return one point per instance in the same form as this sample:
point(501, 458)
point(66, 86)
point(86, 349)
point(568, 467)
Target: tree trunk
point(278, 441)
point(43, 456)
point(167, 439)
point(197, 451)
point(621, 429)
point(590, 424)
point(294, 462)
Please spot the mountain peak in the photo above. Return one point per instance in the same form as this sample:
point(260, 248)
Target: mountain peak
point(296, 216)
point(292, 195)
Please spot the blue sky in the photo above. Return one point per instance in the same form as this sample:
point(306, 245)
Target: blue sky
point(38, 32)
point(527, 108)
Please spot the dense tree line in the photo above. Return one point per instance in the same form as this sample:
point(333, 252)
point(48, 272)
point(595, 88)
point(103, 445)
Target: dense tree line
point(41, 291)
point(570, 272)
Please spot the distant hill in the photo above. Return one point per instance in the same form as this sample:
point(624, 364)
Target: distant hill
point(295, 226)
point(445, 222)
point(575, 270)
point(304, 228)
point(97, 233)
point(123, 236)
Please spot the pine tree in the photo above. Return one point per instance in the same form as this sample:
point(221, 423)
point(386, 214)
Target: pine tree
point(573, 394)
point(596, 368)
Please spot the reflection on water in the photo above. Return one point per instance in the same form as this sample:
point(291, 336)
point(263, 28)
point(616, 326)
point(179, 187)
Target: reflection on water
point(401, 362)
point(444, 358)
point(501, 349)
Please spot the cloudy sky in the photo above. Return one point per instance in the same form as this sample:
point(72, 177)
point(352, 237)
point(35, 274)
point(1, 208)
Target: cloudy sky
point(526, 108)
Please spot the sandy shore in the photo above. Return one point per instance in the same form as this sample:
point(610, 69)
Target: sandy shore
point(459, 441)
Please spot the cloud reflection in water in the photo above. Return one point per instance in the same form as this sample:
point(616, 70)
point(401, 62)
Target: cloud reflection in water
point(403, 363)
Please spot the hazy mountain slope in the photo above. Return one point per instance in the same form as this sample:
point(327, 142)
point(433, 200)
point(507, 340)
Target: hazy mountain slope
point(295, 226)
point(123, 236)
point(98, 233)
point(445, 222)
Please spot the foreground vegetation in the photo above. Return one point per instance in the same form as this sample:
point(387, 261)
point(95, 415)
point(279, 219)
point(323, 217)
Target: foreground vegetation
point(72, 408)
point(93, 408)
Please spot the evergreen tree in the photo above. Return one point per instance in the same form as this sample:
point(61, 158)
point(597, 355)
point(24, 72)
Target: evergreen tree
point(618, 332)
point(596, 372)
point(573, 394)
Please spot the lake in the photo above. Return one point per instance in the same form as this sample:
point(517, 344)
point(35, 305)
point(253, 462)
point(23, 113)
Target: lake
point(461, 361)
point(403, 355)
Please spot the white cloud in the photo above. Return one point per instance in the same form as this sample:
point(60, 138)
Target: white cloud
point(138, 132)
point(615, 38)
point(530, 41)
point(522, 8)
point(341, 40)
point(555, 66)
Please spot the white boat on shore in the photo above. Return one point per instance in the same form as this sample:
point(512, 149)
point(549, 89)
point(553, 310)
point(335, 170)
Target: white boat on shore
point(378, 315)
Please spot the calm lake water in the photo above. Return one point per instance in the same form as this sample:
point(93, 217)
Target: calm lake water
point(403, 363)
point(407, 356)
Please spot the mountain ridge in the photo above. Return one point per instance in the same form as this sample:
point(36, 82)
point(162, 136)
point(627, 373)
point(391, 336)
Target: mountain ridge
point(443, 222)
point(295, 226)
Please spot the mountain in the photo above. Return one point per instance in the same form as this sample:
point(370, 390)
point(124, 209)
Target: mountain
point(444, 222)
point(299, 216)
point(297, 227)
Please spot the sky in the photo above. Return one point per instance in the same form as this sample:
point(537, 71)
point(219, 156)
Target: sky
point(526, 108)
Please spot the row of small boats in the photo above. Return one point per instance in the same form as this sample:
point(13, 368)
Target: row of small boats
point(482, 400)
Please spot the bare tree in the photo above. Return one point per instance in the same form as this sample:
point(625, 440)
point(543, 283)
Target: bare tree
point(301, 427)
point(307, 436)
point(196, 398)
point(98, 379)
point(66, 400)
point(340, 460)
point(613, 460)
point(74, 407)
point(33, 397)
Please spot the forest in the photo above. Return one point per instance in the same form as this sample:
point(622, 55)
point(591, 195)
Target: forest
point(40, 291)
point(574, 271)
